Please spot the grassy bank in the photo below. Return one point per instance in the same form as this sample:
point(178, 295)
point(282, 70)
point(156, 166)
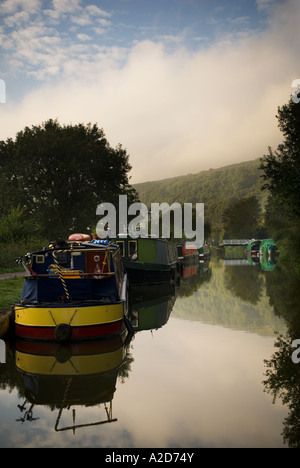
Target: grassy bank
point(10, 291)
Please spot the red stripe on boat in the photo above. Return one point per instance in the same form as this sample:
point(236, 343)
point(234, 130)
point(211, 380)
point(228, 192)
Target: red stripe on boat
point(78, 333)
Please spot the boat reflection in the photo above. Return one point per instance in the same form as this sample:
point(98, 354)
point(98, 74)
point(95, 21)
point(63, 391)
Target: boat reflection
point(150, 307)
point(64, 376)
point(263, 262)
point(73, 375)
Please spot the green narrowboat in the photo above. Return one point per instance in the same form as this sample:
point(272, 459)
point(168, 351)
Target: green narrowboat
point(268, 253)
point(252, 251)
point(149, 260)
point(253, 248)
point(268, 248)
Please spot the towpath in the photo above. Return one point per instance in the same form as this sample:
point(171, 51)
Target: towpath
point(15, 274)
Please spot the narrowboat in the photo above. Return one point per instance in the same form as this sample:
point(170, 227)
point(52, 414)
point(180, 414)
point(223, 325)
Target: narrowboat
point(187, 254)
point(204, 253)
point(188, 257)
point(149, 260)
point(268, 248)
point(268, 253)
point(253, 248)
point(73, 290)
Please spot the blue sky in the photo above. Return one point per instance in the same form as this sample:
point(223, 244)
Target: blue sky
point(183, 85)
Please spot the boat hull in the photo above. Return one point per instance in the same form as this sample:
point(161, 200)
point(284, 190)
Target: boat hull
point(92, 358)
point(146, 274)
point(69, 322)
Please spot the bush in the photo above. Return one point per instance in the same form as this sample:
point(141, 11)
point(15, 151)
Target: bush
point(15, 226)
point(18, 235)
point(10, 251)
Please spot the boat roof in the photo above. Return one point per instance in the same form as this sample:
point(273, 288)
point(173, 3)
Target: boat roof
point(76, 245)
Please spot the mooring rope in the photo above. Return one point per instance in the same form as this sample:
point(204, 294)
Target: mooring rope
point(60, 275)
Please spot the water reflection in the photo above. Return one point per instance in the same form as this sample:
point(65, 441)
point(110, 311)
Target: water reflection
point(282, 375)
point(150, 307)
point(245, 283)
point(64, 376)
point(223, 320)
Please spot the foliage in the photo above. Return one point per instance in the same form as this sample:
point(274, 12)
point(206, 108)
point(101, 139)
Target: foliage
point(216, 188)
point(242, 219)
point(10, 291)
point(10, 251)
point(282, 381)
point(59, 174)
point(15, 226)
point(282, 166)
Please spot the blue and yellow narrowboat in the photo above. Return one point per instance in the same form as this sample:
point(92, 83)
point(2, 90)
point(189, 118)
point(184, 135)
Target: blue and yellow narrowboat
point(73, 290)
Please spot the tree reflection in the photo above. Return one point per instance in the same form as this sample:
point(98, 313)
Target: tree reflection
point(282, 374)
point(244, 282)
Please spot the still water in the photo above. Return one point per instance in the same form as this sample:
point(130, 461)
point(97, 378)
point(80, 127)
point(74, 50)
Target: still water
point(193, 375)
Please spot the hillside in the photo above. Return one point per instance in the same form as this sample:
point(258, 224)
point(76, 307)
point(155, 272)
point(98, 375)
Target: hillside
point(216, 188)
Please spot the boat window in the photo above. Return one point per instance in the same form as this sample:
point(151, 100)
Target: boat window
point(62, 257)
point(40, 259)
point(132, 247)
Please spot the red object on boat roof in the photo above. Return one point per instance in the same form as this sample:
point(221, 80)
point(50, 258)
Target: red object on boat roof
point(80, 237)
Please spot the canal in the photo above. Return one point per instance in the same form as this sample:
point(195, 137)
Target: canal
point(201, 370)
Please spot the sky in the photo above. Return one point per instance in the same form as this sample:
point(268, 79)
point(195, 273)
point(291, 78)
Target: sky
point(183, 85)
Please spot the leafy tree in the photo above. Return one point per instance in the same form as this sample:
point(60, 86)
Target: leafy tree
point(282, 166)
point(15, 226)
point(59, 174)
point(242, 218)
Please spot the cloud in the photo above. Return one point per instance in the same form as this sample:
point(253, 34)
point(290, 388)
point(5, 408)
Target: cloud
point(66, 6)
point(264, 4)
point(11, 6)
point(175, 112)
point(39, 42)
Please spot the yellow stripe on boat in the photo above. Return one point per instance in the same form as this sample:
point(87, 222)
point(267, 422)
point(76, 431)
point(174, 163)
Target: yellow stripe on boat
point(75, 316)
point(76, 365)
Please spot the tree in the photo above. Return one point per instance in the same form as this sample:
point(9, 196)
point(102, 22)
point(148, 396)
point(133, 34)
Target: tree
point(15, 227)
point(282, 166)
point(61, 173)
point(242, 218)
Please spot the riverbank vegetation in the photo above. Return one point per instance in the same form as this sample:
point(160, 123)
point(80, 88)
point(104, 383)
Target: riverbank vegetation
point(55, 176)
point(219, 189)
point(52, 179)
point(10, 291)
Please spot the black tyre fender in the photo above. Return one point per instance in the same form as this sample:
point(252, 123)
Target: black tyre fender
point(63, 332)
